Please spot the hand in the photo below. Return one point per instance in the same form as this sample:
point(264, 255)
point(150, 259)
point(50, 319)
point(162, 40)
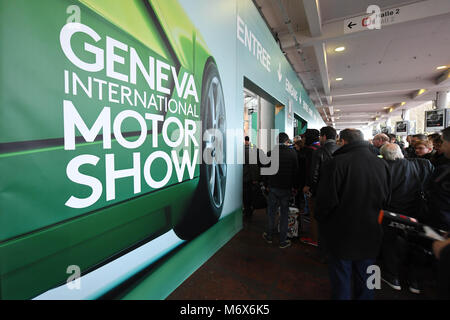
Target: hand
point(438, 246)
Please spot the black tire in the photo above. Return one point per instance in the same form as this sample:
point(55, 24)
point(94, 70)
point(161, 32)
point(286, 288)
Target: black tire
point(207, 202)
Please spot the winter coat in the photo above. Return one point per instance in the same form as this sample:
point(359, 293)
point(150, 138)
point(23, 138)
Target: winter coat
point(353, 187)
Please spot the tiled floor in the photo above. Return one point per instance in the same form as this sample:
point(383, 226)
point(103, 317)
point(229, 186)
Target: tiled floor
point(248, 268)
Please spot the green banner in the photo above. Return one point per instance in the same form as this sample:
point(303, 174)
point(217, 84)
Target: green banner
point(110, 113)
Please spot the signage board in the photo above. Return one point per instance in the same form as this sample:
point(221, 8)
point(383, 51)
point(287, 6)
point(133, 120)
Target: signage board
point(434, 120)
point(376, 18)
point(402, 128)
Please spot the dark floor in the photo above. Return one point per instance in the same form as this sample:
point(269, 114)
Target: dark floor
point(247, 268)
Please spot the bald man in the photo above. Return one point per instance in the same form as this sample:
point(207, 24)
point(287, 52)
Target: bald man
point(380, 139)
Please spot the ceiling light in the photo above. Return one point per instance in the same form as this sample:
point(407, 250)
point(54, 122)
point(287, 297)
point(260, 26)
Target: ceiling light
point(441, 67)
point(421, 91)
point(386, 107)
point(337, 110)
point(339, 79)
point(339, 49)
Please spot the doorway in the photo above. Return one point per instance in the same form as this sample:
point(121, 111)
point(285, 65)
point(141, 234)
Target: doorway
point(259, 116)
point(300, 125)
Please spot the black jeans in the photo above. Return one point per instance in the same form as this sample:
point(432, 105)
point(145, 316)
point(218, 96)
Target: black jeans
point(398, 252)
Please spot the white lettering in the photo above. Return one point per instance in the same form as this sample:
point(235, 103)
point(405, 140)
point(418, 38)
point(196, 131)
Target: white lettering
point(65, 38)
point(112, 174)
point(74, 175)
point(73, 119)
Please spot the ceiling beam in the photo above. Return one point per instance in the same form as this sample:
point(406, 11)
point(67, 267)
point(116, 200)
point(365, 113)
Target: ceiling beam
point(321, 56)
point(361, 101)
point(313, 16)
point(354, 116)
point(338, 123)
point(418, 93)
point(387, 88)
point(443, 78)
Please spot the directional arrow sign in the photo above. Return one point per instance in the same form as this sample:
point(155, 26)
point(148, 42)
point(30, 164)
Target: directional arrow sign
point(377, 18)
point(351, 24)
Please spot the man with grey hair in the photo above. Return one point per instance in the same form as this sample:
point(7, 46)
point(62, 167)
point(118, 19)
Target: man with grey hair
point(408, 179)
point(391, 151)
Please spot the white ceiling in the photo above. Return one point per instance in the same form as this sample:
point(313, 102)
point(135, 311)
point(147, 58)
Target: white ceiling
point(380, 68)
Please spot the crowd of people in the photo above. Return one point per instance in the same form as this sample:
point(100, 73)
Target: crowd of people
point(343, 182)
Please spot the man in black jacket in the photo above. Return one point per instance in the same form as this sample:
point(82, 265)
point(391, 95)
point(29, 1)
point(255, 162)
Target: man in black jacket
point(250, 176)
point(327, 138)
point(311, 145)
point(408, 179)
point(411, 151)
point(327, 147)
point(439, 188)
point(281, 185)
point(441, 199)
point(353, 188)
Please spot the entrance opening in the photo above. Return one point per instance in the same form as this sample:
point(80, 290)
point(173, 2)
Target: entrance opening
point(259, 116)
point(300, 125)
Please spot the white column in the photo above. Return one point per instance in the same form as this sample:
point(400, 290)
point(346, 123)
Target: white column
point(266, 116)
point(442, 98)
point(405, 115)
point(388, 122)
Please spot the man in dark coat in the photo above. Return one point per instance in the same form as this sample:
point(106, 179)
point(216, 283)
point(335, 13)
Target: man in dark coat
point(281, 186)
point(439, 188)
point(250, 176)
point(408, 179)
point(327, 138)
point(441, 199)
point(327, 147)
point(411, 151)
point(312, 144)
point(438, 158)
point(353, 188)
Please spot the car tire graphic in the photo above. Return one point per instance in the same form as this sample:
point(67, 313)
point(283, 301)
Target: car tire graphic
point(207, 202)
